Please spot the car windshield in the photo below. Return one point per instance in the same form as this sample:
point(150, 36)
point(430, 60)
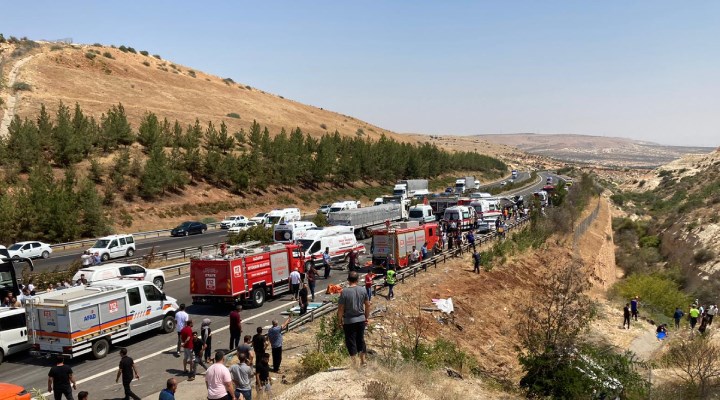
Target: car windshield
point(305, 244)
point(185, 225)
point(260, 215)
point(101, 244)
point(16, 246)
point(416, 213)
point(273, 220)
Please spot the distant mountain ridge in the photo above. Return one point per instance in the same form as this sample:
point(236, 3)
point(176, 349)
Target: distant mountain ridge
point(595, 149)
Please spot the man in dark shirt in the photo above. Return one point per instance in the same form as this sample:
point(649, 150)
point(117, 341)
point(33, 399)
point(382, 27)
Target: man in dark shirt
point(476, 261)
point(303, 299)
point(60, 380)
point(235, 327)
point(246, 348)
point(311, 275)
point(259, 343)
point(128, 371)
point(198, 347)
point(262, 375)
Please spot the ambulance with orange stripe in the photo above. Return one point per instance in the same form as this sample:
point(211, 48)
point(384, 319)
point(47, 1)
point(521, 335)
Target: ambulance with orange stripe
point(90, 319)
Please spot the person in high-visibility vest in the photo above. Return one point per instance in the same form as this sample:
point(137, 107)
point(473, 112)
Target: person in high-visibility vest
point(390, 280)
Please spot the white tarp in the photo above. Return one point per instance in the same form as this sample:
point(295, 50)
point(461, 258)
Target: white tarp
point(444, 305)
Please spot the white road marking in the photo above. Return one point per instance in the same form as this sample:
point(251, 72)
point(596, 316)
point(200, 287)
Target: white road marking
point(109, 371)
point(177, 279)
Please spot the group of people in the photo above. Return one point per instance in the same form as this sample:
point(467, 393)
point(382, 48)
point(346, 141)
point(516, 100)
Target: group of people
point(87, 259)
point(696, 313)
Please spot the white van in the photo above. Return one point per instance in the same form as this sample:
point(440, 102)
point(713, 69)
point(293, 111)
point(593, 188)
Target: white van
point(344, 205)
point(421, 213)
point(114, 246)
point(13, 331)
point(462, 217)
point(339, 245)
point(284, 215)
point(115, 270)
point(378, 201)
point(291, 231)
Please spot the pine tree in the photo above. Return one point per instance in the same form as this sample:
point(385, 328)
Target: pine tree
point(119, 173)
point(154, 181)
point(22, 143)
point(45, 128)
point(150, 132)
point(115, 130)
point(92, 219)
point(68, 148)
point(225, 141)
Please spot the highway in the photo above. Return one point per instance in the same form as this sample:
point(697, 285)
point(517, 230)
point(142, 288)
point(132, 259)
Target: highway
point(153, 353)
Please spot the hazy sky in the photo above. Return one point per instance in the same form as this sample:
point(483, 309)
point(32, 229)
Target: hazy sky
point(647, 70)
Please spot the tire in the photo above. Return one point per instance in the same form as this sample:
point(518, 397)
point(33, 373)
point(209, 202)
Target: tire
point(17, 257)
point(2, 356)
point(257, 297)
point(168, 324)
point(158, 282)
point(45, 254)
point(204, 230)
point(100, 348)
point(130, 252)
point(187, 233)
point(105, 257)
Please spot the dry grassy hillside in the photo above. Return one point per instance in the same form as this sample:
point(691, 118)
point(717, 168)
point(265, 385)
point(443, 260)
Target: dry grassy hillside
point(81, 73)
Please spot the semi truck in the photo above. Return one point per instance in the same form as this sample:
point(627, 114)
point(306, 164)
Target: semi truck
point(464, 184)
point(410, 188)
point(439, 204)
point(248, 274)
point(363, 218)
point(399, 238)
point(89, 319)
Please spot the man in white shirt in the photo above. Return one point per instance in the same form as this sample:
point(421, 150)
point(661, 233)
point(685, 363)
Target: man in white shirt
point(295, 280)
point(414, 256)
point(181, 318)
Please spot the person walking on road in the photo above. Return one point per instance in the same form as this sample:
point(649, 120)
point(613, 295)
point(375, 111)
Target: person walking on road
point(326, 262)
point(198, 348)
point(128, 371)
point(169, 392)
point(390, 282)
point(242, 377)
point(626, 316)
point(295, 280)
point(61, 381)
point(352, 256)
point(476, 262)
point(181, 318)
point(206, 336)
point(303, 299)
point(276, 341)
point(188, 354)
point(235, 327)
point(353, 314)
point(311, 275)
point(634, 307)
point(677, 316)
point(218, 380)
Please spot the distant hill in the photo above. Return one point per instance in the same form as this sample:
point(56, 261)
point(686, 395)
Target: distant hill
point(594, 149)
point(98, 77)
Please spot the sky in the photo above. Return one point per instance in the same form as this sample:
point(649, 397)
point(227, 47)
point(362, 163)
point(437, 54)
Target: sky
point(646, 70)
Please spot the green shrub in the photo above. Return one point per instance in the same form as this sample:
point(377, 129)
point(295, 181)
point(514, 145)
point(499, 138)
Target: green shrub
point(649, 241)
point(90, 55)
point(144, 52)
point(703, 255)
point(320, 219)
point(659, 294)
point(261, 233)
point(157, 56)
point(191, 73)
point(233, 115)
point(22, 86)
point(123, 49)
point(316, 361)
point(97, 45)
point(131, 50)
point(323, 126)
point(146, 63)
point(55, 47)
point(107, 54)
point(228, 81)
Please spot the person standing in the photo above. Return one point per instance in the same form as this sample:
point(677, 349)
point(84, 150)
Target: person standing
point(353, 314)
point(677, 316)
point(198, 347)
point(476, 261)
point(414, 256)
point(246, 348)
point(186, 336)
point(206, 336)
point(242, 375)
point(390, 282)
point(235, 327)
point(634, 307)
point(295, 280)
point(262, 376)
point(369, 284)
point(61, 381)
point(218, 380)
point(276, 341)
point(181, 318)
point(694, 314)
point(471, 240)
point(259, 344)
point(626, 316)
point(352, 259)
point(424, 251)
point(169, 392)
point(311, 275)
point(326, 262)
point(389, 261)
point(128, 371)
point(303, 299)
point(711, 312)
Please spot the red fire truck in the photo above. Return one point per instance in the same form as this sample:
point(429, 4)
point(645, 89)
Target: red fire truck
point(249, 274)
point(399, 238)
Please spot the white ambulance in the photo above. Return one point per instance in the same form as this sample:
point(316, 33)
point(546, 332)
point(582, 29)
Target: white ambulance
point(90, 319)
point(288, 232)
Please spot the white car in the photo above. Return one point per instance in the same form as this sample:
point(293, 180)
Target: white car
point(242, 226)
point(117, 270)
point(231, 221)
point(30, 250)
point(259, 218)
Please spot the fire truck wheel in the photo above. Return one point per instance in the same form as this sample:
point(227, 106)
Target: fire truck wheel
point(258, 297)
point(100, 349)
point(168, 324)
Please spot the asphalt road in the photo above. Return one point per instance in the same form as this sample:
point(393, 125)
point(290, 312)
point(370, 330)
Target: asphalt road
point(153, 352)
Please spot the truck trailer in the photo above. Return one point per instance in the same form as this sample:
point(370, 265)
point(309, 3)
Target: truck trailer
point(364, 218)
